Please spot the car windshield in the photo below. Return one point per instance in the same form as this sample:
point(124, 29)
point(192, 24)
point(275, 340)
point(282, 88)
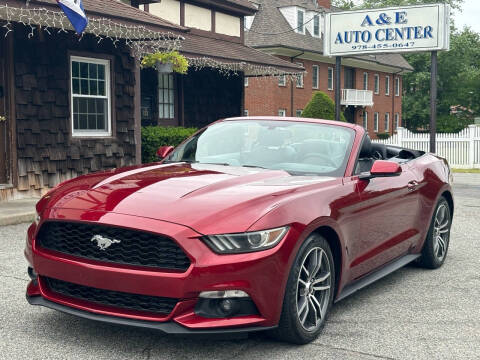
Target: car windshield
point(299, 148)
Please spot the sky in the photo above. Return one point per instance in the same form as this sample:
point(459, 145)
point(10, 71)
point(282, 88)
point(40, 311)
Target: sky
point(470, 15)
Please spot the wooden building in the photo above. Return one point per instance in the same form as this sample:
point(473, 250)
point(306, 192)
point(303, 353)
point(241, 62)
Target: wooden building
point(71, 105)
point(215, 47)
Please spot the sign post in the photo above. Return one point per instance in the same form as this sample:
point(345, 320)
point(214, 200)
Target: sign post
point(390, 30)
point(338, 73)
point(433, 102)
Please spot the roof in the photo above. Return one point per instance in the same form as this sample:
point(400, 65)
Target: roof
point(244, 7)
point(269, 20)
point(110, 9)
point(196, 46)
point(270, 29)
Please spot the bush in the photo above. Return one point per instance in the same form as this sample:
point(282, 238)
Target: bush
point(321, 107)
point(155, 136)
point(453, 123)
point(383, 136)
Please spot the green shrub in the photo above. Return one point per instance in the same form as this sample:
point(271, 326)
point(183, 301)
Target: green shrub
point(321, 107)
point(155, 136)
point(383, 136)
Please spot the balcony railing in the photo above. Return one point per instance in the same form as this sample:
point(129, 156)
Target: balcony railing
point(357, 97)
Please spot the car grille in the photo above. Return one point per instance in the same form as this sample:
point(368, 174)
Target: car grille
point(152, 304)
point(131, 247)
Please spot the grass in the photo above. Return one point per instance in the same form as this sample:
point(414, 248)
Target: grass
point(474, 171)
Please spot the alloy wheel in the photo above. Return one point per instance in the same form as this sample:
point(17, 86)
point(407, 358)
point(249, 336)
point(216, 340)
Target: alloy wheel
point(313, 289)
point(441, 232)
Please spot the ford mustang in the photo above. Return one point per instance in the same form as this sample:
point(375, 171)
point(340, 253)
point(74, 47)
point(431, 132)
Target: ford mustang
point(250, 224)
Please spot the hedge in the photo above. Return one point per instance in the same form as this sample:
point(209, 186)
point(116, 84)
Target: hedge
point(383, 136)
point(155, 136)
point(321, 107)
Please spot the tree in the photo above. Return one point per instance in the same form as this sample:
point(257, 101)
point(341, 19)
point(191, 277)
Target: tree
point(458, 83)
point(321, 107)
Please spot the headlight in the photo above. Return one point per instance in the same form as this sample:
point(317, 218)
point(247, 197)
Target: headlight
point(245, 242)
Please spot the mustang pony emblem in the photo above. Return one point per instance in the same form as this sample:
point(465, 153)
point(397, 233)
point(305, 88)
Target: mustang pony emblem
point(104, 242)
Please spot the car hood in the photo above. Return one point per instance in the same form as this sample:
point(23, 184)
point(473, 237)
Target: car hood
point(207, 198)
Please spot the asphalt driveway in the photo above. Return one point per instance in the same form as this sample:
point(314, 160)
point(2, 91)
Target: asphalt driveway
point(411, 314)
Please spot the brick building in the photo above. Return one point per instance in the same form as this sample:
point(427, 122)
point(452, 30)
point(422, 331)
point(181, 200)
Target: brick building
point(292, 30)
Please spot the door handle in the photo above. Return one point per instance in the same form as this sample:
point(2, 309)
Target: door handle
point(412, 185)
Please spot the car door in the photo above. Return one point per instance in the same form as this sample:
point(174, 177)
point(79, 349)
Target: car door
point(385, 221)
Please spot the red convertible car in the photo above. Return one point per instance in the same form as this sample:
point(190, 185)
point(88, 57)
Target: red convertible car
point(251, 224)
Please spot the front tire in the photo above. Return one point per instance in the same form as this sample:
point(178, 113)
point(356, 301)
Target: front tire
point(309, 293)
point(435, 249)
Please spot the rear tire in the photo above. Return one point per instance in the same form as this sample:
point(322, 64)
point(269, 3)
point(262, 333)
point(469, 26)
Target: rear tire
point(435, 249)
point(309, 293)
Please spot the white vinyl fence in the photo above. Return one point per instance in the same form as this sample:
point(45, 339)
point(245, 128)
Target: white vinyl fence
point(462, 150)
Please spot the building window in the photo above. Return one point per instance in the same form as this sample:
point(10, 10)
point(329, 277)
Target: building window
point(246, 81)
point(365, 120)
point(90, 97)
point(166, 96)
point(377, 84)
point(375, 122)
point(387, 85)
point(300, 77)
point(365, 81)
point(282, 112)
point(300, 21)
point(316, 25)
point(330, 78)
point(396, 121)
point(397, 86)
point(299, 112)
point(315, 73)
point(282, 80)
point(387, 122)
point(245, 112)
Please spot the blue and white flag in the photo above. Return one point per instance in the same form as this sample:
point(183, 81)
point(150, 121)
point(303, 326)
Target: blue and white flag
point(74, 11)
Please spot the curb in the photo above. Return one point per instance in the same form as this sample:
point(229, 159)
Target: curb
point(17, 218)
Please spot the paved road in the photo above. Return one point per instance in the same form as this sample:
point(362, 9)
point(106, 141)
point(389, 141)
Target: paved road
point(411, 314)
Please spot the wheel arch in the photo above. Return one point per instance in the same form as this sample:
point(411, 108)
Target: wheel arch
point(333, 240)
point(449, 197)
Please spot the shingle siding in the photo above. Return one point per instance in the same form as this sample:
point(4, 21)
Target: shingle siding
point(47, 154)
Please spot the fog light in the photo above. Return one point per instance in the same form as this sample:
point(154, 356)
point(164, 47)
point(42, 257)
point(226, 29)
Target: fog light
point(227, 303)
point(227, 306)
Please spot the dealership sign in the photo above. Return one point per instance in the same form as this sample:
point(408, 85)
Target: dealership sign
point(391, 30)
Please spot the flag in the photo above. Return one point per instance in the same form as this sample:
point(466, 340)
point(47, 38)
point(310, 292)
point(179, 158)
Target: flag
point(74, 11)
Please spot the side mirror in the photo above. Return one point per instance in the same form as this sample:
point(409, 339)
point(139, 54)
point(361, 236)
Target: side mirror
point(382, 168)
point(164, 151)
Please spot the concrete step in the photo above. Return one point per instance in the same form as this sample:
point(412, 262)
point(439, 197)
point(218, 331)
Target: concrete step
point(17, 211)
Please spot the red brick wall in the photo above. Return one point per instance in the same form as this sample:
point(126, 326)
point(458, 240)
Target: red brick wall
point(263, 96)
point(325, 3)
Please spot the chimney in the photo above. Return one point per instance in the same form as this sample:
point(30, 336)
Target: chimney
point(325, 3)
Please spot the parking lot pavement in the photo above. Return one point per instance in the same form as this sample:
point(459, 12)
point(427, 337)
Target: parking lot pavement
point(411, 314)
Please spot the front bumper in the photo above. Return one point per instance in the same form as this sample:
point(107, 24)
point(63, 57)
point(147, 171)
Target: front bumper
point(169, 327)
point(261, 275)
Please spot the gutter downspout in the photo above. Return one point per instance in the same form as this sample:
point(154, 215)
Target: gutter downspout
point(291, 83)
